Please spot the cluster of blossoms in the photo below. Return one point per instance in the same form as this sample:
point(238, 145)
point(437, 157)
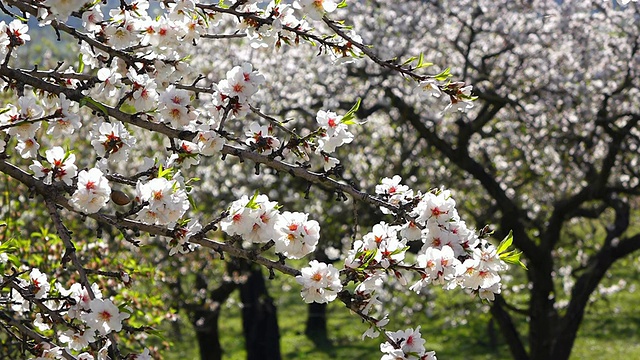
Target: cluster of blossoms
point(334, 133)
point(163, 201)
point(259, 220)
point(320, 282)
point(61, 166)
point(452, 255)
point(111, 140)
point(22, 123)
point(12, 35)
point(458, 94)
point(233, 93)
point(93, 191)
point(82, 316)
point(407, 344)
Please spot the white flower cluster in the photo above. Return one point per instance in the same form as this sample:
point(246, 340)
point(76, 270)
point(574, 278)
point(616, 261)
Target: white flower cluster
point(165, 201)
point(61, 166)
point(258, 220)
point(335, 133)
point(452, 254)
point(12, 35)
point(91, 318)
point(407, 344)
point(23, 124)
point(93, 191)
point(112, 140)
point(233, 93)
point(320, 282)
point(459, 97)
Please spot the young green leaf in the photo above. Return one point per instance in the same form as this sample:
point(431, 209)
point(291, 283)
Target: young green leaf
point(347, 119)
point(444, 75)
point(505, 243)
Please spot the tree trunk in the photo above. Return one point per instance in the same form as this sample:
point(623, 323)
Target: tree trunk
point(316, 327)
point(508, 329)
point(259, 319)
point(205, 319)
point(205, 322)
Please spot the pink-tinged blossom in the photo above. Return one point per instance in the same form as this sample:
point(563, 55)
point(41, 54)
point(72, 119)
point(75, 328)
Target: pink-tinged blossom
point(438, 208)
point(166, 201)
point(260, 138)
point(336, 133)
point(180, 241)
point(210, 142)
point(92, 193)
point(29, 110)
point(298, 236)
point(411, 231)
point(329, 162)
point(81, 296)
point(77, 340)
point(61, 166)
point(384, 240)
point(39, 284)
point(92, 17)
point(241, 82)
point(110, 81)
point(316, 9)
point(144, 96)
point(137, 9)
point(408, 344)
point(161, 33)
point(253, 219)
point(104, 317)
point(186, 156)
point(175, 108)
point(17, 31)
point(394, 192)
point(61, 9)
point(112, 140)
point(320, 282)
point(437, 266)
point(67, 120)
point(121, 35)
point(27, 148)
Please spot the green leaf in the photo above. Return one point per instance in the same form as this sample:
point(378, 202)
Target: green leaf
point(165, 173)
point(347, 119)
point(343, 4)
point(409, 60)
point(157, 333)
point(505, 243)
point(444, 75)
point(421, 62)
point(80, 64)
point(369, 255)
point(252, 203)
point(95, 105)
point(513, 257)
